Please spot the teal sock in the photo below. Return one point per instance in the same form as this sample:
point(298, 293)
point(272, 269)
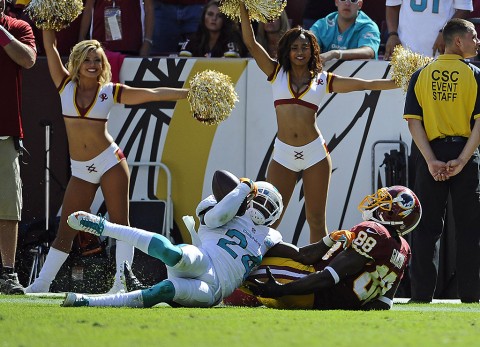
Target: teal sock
point(161, 248)
point(160, 292)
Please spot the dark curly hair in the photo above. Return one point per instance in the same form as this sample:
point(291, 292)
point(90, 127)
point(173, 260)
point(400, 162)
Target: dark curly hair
point(314, 65)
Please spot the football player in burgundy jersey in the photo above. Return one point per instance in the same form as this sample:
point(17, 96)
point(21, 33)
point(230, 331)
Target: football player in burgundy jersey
point(362, 275)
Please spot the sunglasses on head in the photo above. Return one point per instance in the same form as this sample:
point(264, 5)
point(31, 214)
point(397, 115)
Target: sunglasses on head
point(351, 1)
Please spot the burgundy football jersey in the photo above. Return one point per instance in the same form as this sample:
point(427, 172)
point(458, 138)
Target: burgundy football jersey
point(387, 261)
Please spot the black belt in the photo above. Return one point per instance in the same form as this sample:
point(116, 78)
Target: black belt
point(448, 139)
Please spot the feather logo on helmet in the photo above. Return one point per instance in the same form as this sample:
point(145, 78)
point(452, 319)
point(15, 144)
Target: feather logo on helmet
point(406, 201)
point(396, 206)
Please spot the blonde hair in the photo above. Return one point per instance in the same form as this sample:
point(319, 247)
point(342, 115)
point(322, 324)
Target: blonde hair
point(79, 54)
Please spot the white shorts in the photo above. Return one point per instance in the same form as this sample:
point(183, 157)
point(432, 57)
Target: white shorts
point(194, 279)
point(93, 170)
point(299, 158)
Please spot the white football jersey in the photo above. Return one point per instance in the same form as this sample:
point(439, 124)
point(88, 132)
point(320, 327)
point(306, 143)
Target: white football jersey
point(236, 248)
point(421, 20)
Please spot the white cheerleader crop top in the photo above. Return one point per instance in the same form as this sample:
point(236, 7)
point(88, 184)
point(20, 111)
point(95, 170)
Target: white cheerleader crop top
point(311, 97)
point(106, 96)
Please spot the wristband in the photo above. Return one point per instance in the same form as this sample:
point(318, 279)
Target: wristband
point(328, 241)
point(340, 54)
point(247, 181)
point(150, 41)
point(392, 33)
point(5, 36)
point(334, 274)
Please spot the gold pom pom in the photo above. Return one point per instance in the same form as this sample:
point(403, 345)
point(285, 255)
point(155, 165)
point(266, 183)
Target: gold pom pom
point(259, 10)
point(54, 14)
point(405, 63)
point(211, 96)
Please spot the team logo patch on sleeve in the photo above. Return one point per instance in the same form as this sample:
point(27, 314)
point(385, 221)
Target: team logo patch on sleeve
point(103, 97)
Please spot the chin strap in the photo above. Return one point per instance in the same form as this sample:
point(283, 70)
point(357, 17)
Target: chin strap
point(368, 215)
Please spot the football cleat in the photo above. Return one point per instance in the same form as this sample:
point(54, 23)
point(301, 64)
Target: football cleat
point(9, 284)
point(131, 281)
point(87, 222)
point(75, 300)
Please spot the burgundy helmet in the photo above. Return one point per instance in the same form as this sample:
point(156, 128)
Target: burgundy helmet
point(396, 206)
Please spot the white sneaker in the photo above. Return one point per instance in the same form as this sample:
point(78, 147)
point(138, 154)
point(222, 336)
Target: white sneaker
point(75, 300)
point(38, 286)
point(87, 222)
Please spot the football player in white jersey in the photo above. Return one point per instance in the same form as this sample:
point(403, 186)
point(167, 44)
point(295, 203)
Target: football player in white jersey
point(232, 238)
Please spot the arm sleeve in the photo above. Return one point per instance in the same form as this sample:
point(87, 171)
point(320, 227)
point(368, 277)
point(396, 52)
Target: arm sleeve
point(227, 208)
point(117, 92)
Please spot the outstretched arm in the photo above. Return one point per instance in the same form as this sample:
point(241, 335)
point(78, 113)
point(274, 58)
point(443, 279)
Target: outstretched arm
point(314, 252)
point(307, 255)
point(55, 66)
point(342, 84)
point(344, 264)
point(264, 61)
point(135, 96)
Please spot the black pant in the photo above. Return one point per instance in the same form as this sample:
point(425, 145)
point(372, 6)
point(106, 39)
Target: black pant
point(464, 189)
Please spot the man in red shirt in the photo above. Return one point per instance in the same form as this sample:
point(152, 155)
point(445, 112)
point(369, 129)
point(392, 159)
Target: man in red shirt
point(17, 51)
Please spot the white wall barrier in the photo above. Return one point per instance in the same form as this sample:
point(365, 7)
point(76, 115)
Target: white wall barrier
point(350, 123)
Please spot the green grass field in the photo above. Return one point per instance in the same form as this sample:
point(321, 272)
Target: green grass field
point(40, 321)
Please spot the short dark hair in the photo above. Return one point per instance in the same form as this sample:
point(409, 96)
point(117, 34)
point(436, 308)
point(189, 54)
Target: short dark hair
point(454, 27)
